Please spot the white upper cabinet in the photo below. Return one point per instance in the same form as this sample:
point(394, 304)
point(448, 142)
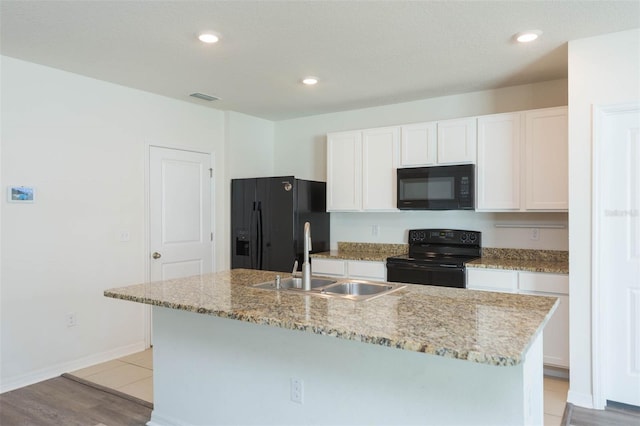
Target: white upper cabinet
point(522, 161)
point(418, 145)
point(457, 141)
point(438, 143)
point(498, 168)
point(547, 160)
point(361, 169)
point(344, 171)
point(379, 164)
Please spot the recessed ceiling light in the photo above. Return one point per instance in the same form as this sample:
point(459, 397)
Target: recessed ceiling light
point(208, 38)
point(527, 36)
point(310, 81)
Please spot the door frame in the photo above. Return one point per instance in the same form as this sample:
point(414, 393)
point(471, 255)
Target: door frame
point(599, 338)
point(148, 334)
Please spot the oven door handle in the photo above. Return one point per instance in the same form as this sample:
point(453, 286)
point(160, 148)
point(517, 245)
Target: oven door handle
point(435, 268)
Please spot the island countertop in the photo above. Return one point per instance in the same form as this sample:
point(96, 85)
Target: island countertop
point(483, 327)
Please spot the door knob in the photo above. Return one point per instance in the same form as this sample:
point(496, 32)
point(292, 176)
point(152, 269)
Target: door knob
point(156, 255)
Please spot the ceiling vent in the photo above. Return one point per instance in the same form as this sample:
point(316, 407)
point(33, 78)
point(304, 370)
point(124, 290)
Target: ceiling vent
point(204, 97)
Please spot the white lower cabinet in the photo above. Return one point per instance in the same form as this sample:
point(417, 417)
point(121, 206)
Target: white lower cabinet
point(362, 269)
point(556, 333)
point(328, 267)
point(492, 280)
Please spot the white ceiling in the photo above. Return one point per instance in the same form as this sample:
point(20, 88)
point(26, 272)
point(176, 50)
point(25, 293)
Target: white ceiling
point(366, 53)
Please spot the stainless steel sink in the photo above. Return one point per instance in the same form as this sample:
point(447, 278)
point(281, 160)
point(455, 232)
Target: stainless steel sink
point(357, 288)
point(343, 289)
point(292, 283)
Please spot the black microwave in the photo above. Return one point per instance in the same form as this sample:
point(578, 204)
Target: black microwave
point(437, 188)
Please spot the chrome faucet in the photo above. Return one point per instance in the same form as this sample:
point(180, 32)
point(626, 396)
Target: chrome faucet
point(306, 266)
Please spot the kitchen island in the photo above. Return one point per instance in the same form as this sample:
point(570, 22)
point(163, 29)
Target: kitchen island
point(228, 353)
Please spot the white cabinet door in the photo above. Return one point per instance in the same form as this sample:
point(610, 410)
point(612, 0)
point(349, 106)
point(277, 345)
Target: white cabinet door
point(344, 171)
point(379, 164)
point(339, 268)
point(556, 333)
point(367, 270)
point(418, 145)
point(457, 141)
point(547, 164)
point(498, 169)
point(492, 280)
point(328, 267)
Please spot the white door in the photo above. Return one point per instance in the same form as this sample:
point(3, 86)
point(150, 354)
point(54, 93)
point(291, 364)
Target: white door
point(180, 238)
point(617, 241)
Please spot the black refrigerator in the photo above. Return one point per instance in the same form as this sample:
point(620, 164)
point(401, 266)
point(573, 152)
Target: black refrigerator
point(267, 221)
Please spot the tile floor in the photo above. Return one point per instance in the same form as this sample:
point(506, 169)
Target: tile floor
point(133, 375)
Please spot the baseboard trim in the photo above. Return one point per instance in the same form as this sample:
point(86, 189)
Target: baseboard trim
point(161, 420)
point(561, 373)
point(27, 379)
point(583, 400)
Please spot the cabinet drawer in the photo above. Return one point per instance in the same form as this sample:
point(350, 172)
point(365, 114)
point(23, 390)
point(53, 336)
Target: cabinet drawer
point(543, 282)
point(328, 267)
point(491, 279)
point(367, 270)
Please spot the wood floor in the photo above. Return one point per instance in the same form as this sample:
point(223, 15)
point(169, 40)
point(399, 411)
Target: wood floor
point(612, 416)
point(61, 401)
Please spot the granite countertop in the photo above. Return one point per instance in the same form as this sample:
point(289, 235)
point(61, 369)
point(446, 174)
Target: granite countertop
point(550, 261)
point(373, 252)
point(478, 326)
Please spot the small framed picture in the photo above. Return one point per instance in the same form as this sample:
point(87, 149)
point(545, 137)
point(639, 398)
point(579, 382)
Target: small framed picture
point(21, 194)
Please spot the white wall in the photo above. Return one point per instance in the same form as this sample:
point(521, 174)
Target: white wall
point(250, 145)
point(300, 149)
point(393, 227)
point(248, 153)
point(82, 143)
point(602, 71)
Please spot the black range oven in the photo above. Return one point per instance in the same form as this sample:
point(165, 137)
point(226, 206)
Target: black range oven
point(436, 257)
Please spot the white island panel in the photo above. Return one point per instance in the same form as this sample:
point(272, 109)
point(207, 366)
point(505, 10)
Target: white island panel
point(216, 371)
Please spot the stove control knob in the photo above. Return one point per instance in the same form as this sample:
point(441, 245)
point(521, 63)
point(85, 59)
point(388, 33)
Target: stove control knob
point(473, 237)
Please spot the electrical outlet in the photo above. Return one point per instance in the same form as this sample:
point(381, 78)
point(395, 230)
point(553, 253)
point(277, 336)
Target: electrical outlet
point(297, 391)
point(535, 234)
point(71, 319)
point(375, 230)
point(124, 236)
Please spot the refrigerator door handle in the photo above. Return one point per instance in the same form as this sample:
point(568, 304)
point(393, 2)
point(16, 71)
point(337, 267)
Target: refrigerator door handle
point(252, 238)
point(260, 237)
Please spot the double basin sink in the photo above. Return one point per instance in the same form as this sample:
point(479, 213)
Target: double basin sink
point(344, 288)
